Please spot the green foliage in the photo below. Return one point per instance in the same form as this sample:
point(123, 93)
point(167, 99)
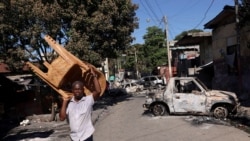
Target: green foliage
point(133, 57)
point(90, 29)
point(154, 51)
point(244, 13)
point(178, 37)
point(149, 55)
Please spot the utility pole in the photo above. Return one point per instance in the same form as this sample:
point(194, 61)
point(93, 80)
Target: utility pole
point(106, 68)
point(136, 64)
point(238, 42)
point(168, 51)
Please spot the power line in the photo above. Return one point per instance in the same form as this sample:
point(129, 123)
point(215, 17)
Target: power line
point(205, 15)
point(147, 11)
point(151, 9)
point(185, 8)
point(157, 4)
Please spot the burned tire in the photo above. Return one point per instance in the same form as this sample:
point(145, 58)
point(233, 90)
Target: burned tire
point(220, 112)
point(158, 85)
point(159, 109)
point(137, 90)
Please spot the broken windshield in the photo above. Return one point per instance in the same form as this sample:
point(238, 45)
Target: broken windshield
point(202, 84)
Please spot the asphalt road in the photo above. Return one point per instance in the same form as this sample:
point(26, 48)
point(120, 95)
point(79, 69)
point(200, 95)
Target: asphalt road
point(123, 119)
point(127, 121)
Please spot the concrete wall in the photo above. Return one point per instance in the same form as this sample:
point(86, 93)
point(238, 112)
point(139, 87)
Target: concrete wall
point(224, 36)
point(206, 52)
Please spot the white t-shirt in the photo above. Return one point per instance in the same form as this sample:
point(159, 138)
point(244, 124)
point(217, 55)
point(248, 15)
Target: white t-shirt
point(79, 115)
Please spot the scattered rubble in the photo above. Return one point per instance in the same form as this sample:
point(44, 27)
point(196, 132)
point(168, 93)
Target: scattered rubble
point(242, 123)
point(40, 127)
point(25, 122)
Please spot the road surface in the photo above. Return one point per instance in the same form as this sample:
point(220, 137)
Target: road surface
point(127, 121)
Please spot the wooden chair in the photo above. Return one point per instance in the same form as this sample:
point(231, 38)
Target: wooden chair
point(66, 69)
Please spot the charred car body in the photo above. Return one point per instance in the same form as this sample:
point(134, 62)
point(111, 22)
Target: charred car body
point(188, 95)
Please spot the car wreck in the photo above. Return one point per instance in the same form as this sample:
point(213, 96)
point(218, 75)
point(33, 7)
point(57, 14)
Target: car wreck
point(132, 87)
point(188, 95)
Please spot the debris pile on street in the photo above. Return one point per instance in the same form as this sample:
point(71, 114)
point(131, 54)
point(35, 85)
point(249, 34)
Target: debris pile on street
point(25, 122)
point(39, 127)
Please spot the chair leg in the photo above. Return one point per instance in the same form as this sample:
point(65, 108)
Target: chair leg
point(44, 77)
point(67, 56)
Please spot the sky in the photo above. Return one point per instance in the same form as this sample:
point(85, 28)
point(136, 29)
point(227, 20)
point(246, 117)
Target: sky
point(181, 15)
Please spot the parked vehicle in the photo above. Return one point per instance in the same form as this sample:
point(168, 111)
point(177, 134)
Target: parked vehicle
point(188, 95)
point(152, 81)
point(132, 87)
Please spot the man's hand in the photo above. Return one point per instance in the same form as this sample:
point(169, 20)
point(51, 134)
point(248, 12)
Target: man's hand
point(65, 98)
point(62, 113)
point(92, 72)
point(97, 88)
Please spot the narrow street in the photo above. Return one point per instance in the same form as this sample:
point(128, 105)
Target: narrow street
point(124, 119)
point(127, 121)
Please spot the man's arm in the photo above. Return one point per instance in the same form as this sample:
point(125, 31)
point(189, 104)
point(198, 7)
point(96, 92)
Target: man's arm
point(97, 88)
point(62, 113)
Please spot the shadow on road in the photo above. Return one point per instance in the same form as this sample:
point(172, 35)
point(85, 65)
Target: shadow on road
point(242, 123)
point(110, 100)
point(6, 125)
point(24, 134)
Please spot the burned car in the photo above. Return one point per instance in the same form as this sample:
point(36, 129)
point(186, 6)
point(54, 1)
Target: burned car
point(188, 95)
point(132, 87)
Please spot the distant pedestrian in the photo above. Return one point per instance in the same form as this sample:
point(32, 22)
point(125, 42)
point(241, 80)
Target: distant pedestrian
point(78, 110)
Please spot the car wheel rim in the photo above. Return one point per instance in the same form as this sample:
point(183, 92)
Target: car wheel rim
point(158, 110)
point(220, 112)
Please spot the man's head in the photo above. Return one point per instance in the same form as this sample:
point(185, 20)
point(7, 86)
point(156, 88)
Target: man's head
point(77, 89)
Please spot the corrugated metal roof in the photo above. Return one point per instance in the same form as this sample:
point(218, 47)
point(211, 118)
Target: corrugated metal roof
point(194, 38)
point(226, 16)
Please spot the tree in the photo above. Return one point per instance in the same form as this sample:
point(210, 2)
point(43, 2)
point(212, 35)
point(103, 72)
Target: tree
point(154, 49)
point(244, 13)
point(179, 36)
point(133, 57)
point(108, 26)
point(21, 29)
point(91, 29)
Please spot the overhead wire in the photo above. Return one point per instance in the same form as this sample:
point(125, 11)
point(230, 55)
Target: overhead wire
point(188, 5)
point(205, 15)
point(151, 9)
point(185, 8)
point(169, 31)
point(155, 15)
point(157, 4)
point(158, 7)
point(147, 11)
